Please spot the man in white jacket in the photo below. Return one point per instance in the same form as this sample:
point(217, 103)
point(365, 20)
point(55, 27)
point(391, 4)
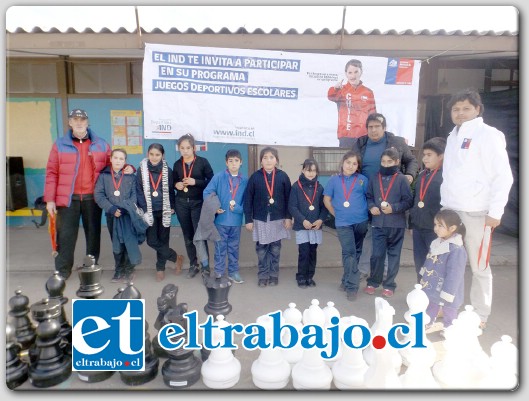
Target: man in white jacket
point(477, 179)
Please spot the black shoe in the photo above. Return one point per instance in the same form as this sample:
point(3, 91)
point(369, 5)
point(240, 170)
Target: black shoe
point(302, 284)
point(273, 281)
point(193, 271)
point(352, 295)
point(262, 282)
point(311, 283)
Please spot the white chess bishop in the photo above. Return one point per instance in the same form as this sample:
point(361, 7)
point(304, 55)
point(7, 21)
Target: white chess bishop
point(349, 371)
point(270, 371)
point(221, 370)
point(293, 317)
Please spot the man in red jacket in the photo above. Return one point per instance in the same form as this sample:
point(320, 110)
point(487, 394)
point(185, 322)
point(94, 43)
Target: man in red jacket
point(73, 167)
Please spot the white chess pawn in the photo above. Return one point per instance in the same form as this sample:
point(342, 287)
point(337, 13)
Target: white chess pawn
point(311, 373)
point(417, 301)
point(270, 371)
point(503, 374)
point(383, 323)
point(221, 370)
point(381, 373)
point(293, 317)
point(349, 371)
point(330, 311)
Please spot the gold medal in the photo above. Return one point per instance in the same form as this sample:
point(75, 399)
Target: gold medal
point(232, 203)
point(117, 193)
point(155, 194)
point(346, 204)
point(420, 204)
point(271, 201)
point(185, 189)
point(384, 204)
point(311, 207)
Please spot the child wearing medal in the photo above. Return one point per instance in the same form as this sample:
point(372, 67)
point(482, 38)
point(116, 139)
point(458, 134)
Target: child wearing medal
point(191, 175)
point(267, 216)
point(229, 186)
point(115, 193)
point(345, 198)
point(427, 200)
point(388, 197)
point(306, 207)
point(154, 188)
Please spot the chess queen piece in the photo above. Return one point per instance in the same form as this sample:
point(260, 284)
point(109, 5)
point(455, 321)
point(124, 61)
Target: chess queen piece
point(24, 331)
point(52, 365)
point(55, 288)
point(218, 290)
point(90, 279)
point(182, 368)
point(16, 370)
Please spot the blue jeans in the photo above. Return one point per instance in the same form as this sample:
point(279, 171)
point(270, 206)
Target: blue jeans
point(422, 238)
point(268, 259)
point(385, 240)
point(351, 239)
point(228, 245)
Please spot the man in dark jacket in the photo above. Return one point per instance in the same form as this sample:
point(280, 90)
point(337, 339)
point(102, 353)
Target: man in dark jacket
point(370, 147)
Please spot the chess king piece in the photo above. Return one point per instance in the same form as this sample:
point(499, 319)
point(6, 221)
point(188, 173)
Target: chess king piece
point(16, 370)
point(270, 371)
point(293, 317)
point(182, 368)
point(221, 370)
point(218, 290)
point(90, 279)
point(503, 373)
point(55, 288)
point(349, 371)
point(165, 302)
point(52, 366)
point(24, 331)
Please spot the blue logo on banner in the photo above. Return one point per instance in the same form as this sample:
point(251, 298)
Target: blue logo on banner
point(391, 71)
point(108, 334)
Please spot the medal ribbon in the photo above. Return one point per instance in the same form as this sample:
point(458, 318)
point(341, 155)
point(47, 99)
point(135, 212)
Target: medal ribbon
point(423, 189)
point(313, 195)
point(116, 186)
point(347, 194)
point(155, 187)
point(385, 196)
point(233, 191)
point(270, 190)
point(190, 169)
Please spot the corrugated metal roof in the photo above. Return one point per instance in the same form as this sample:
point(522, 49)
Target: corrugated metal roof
point(274, 31)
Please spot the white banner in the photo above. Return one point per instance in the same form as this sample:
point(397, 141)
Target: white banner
point(273, 98)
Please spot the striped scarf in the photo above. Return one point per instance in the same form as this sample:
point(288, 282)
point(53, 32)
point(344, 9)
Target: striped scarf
point(166, 214)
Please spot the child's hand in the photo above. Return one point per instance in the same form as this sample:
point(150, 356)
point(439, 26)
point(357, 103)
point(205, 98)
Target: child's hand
point(179, 185)
point(117, 213)
point(220, 211)
point(128, 170)
point(189, 181)
point(249, 226)
point(387, 209)
point(307, 225)
point(317, 224)
point(288, 224)
point(375, 211)
point(172, 211)
point(338, 85)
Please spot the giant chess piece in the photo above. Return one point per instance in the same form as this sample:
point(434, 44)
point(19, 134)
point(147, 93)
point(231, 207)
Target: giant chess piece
point(165, 302)
point(311, 373)
point(41, 311)
point(314, 314)
point(221, 370)
point(182, 369)
point(128, 292)
point(349, 371)
point(293, 317)
point(16, 370)
point(270, 371)
point(55, 288)
point(24, 330)
point(503, 374)
point(90, 279)
point(330, 311)
point(137, 378)
point(218, 290)
point(381, 373)
point(52, 366)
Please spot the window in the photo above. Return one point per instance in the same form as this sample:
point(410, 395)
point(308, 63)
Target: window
point(137, 76)
point(328, 159)
point(26, 77)
point(100, 77)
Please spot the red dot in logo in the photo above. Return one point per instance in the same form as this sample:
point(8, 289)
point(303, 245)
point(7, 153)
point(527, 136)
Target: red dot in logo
point(127, 363)
point(379, 342)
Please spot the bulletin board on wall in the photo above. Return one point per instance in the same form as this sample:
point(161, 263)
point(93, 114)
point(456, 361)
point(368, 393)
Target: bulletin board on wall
point(127, 130)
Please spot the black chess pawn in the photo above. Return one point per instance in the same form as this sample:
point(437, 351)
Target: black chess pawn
point(52, 366)
point(182, 368)
point(16, 370)
point(165, 302)
point(137, 378)
point(41, 311)
point(55, 288)
point(90, 279)
point(218, 290)
point(24, 330)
